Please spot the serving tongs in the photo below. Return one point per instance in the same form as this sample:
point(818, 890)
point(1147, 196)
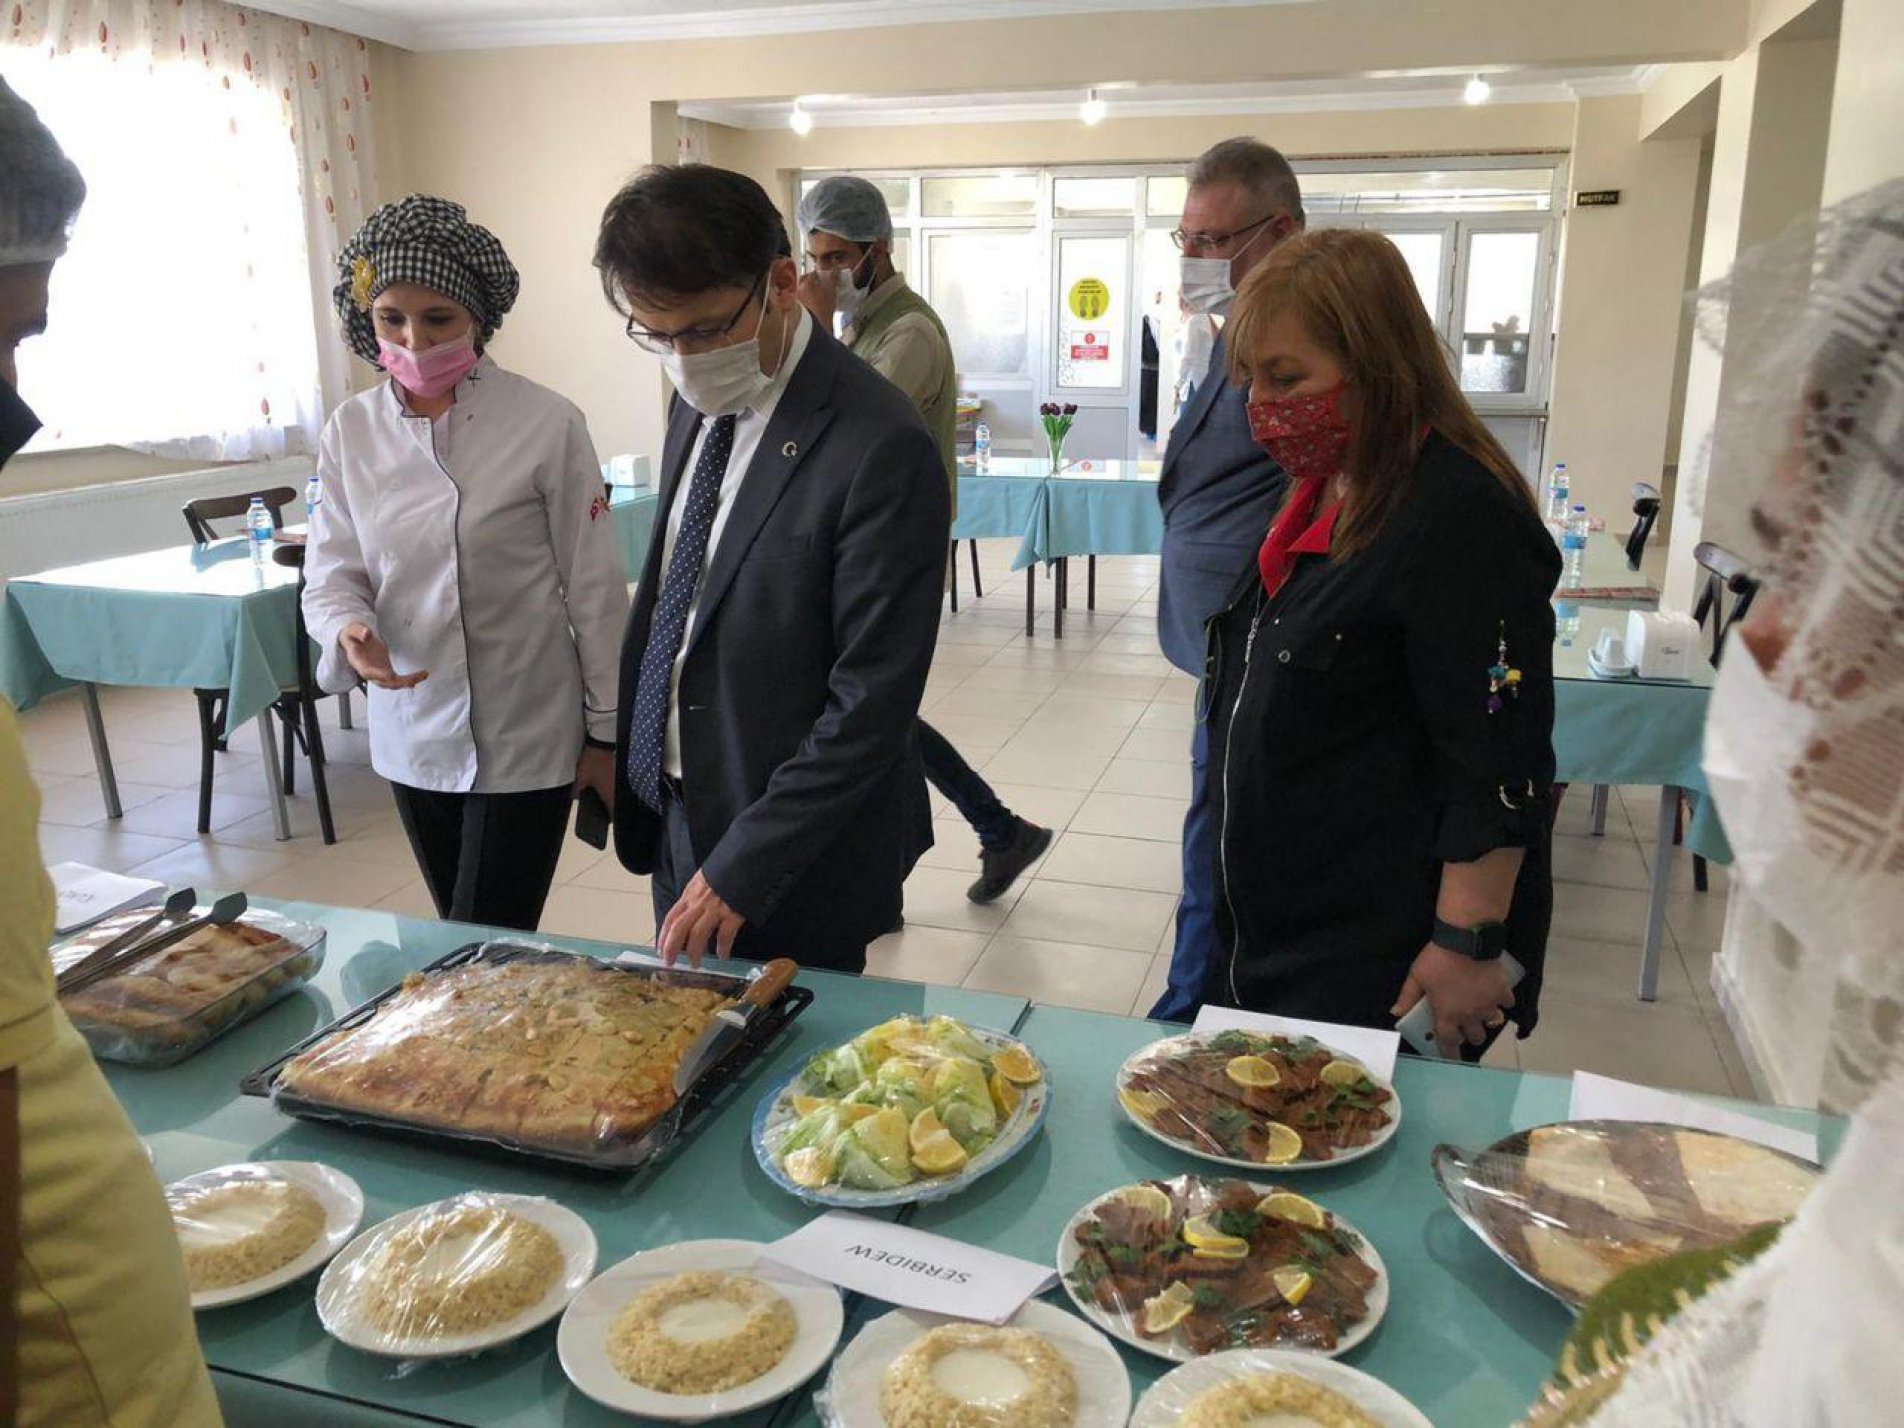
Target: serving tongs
point(152, 936)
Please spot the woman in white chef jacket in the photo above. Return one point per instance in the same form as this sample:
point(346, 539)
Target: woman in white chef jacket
point(463, 563)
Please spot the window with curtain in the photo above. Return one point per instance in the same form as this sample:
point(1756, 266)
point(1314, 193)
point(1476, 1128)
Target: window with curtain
point(227, 156)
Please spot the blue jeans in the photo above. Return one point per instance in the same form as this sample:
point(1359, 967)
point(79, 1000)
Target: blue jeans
point(1198, 944)
point(960, 783)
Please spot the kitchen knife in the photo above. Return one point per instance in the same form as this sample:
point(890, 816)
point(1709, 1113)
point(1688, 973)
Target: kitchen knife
point(730, 1025)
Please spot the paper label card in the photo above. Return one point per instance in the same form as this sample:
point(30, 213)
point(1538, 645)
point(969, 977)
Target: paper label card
point(1601, 1098)
point(1374, 1049)
point(912, 1268)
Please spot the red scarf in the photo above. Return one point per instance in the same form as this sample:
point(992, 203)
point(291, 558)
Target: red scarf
point(1298, 530)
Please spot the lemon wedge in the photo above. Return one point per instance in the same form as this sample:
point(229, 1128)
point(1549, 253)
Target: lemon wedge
point(1292, 1283)
point(1018, 1066)
point(857, 1112)
point(1284, 1144)
point(1343, 1074)
point(1163, 1312)
point(807, 1105)
point(1252, 1071)
point(1145, 1197)
point(1211, 1243)
point(938, 1153)
point(809, 1166)
point(924, 1127)
point(1287, 1205)
point(1142, 1104)
point(1005, 1096)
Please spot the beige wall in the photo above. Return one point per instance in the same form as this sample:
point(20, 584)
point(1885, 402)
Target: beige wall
point(1620, 302)
point(1866, 144)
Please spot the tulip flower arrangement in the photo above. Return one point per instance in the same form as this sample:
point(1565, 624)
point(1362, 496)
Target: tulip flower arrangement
point(1057, 422)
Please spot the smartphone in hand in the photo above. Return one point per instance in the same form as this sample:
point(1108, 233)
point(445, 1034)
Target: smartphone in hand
point(1418, 1027)
point(591, 819)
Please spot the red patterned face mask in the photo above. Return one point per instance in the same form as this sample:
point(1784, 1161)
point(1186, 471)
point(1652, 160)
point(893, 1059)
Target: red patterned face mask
point(1306, 435)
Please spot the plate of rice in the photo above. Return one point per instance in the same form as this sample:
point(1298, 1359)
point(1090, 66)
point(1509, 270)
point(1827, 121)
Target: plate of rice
point(1242, 1388)
point(698, 1331)
point(1042, 1368)
point(248, 1229)
point(456, 1276)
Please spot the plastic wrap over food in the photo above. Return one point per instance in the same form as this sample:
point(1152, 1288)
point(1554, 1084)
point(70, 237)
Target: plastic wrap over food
point(908, 1110)
point(241, 1223)
point(453, 1275)
point(1248, 1098)
point(1572, 1205)
point(1043, 1369)
point(1192, 1266)
point(164, 1007)
point(1241, 1388)
point(532, 1049)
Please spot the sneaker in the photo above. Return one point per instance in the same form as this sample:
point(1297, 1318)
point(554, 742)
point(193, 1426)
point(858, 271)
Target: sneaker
point(999, 867)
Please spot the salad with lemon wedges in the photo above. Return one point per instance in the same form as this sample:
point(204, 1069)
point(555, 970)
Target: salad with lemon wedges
point(908, 1100)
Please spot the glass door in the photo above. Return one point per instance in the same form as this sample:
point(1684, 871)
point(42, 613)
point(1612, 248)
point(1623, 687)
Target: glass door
point(1093, 359)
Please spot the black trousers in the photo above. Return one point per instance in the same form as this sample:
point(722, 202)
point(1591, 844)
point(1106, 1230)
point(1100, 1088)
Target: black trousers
point(674, 868)
point(487, 857)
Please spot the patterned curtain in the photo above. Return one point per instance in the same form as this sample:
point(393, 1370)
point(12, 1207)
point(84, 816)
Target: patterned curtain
point(320, 80)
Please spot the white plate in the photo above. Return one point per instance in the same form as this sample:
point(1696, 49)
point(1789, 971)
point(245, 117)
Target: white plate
point(343, 1204)
point(776, 1111)
point(1104, 1394)
point(337, 1311)
point(1195, 1038)
point(1120, 1326)
point(1163, 1405)
point(582, 1341)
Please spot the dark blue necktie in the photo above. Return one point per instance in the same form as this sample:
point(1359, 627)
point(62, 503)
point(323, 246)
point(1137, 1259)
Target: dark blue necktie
point(648, 725)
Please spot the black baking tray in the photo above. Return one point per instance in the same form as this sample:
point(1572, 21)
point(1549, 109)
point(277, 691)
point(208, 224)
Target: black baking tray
point(653, 1143)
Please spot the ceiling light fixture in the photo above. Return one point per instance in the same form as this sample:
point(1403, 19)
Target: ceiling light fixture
point(1477, 91)
point(800, 121)
point(1093, 110)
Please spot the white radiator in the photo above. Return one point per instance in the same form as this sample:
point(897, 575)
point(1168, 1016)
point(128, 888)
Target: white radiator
point(54, 528)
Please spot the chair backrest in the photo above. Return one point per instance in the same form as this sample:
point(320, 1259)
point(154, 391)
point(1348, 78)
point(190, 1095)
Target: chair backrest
point(1727, 574)
point(293, 556)
point(201, 513)
point(1646, 513)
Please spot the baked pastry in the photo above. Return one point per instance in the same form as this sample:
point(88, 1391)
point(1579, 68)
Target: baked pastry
point(551, 1052)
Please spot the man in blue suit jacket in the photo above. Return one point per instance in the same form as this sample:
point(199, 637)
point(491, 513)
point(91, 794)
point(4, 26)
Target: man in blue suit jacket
point(1218, 491)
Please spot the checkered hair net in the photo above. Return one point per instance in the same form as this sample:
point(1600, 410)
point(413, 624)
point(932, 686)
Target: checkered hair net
point(430, 242)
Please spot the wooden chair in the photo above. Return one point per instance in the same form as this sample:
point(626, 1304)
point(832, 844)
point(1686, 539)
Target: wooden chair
point(978, 591)
point(1646, 512)
point(214, 704)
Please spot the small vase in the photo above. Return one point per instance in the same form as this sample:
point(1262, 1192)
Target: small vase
point(1056, 445)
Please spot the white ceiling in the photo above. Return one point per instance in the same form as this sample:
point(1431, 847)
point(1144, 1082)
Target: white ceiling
point(1150, 101)
point(491, 24)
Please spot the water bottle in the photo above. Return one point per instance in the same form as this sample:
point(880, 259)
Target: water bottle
point(1573, 545)
point(982, 446)
point(1557, 492)
point(259, 529)
point(313, 497)
point(1566, 621)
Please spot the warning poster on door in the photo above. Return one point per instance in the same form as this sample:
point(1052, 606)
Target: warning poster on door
point(1090, 347)
point(1089, 299)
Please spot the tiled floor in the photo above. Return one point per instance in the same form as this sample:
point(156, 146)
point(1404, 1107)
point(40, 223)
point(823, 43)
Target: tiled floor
point(1089, 735)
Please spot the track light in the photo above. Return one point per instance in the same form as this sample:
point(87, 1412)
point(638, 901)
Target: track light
point(1477, 91)
point(1093, 110)
point(800, 121)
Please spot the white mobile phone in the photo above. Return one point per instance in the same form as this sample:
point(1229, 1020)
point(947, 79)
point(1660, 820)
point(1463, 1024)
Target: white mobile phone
point(1418, 1027)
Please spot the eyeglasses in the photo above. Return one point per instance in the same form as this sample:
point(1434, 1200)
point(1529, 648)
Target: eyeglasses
point(691, 338)
point(1210, 242)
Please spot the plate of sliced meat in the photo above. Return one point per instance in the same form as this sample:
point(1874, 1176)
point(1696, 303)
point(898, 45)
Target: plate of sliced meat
point(1251, 1100)
point(1190, 1266)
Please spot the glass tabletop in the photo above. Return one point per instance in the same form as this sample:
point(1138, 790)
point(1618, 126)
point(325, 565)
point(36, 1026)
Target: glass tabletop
point(1607, 579)
point(1021, 468)
point(1578, 629)
point(1097, 468)
point(223, 568)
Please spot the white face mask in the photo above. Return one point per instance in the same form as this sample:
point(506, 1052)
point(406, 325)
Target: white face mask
point(847, 293)
point(726, 381)
point(1206, 285)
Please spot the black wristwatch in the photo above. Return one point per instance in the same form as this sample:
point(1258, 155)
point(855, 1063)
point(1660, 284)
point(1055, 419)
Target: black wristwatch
point(1483, 942)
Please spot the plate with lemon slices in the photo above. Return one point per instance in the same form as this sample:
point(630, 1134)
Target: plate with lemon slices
point(1191, 1266)
point(913, 1109)
point(1254, 1100)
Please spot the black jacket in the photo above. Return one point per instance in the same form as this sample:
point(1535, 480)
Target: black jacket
point(805, 666)
point(1353, 752)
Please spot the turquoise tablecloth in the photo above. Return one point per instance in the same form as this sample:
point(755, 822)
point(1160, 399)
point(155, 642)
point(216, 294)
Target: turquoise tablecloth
point(634, 512)
point(189, 617)
point(1465, 1338)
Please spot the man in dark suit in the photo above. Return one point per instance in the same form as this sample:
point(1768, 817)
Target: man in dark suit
point(1218, 491)
point(769, 780)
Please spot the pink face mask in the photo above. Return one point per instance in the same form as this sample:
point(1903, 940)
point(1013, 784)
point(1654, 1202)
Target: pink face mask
point(434, 370)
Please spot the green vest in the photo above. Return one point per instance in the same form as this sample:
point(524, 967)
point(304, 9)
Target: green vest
point(941, 412)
